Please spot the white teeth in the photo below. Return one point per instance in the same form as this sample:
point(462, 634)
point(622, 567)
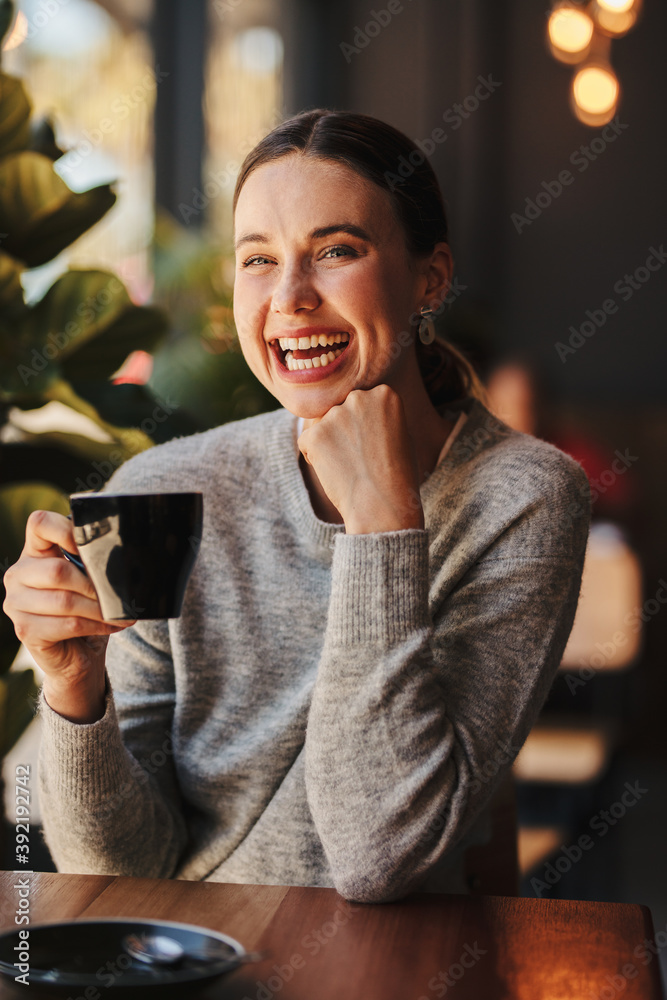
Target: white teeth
point(289, 344)
point(302, 364)
point(303, 343)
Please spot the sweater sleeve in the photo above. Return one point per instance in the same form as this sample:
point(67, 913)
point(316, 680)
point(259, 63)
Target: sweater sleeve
point(107, 810)
point(420, 706)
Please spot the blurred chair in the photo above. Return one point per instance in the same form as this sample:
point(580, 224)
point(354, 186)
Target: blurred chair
point(564, 748)
point(492, 869)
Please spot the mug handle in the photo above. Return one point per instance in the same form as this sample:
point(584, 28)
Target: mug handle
point(75, 560)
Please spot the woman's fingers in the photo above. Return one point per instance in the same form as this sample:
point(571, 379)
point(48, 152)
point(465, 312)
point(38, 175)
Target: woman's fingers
point(54, 573)
point(41, 632)
point(45, 531)
point(54, 601)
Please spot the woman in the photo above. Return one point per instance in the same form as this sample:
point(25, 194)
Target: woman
point(386, 583)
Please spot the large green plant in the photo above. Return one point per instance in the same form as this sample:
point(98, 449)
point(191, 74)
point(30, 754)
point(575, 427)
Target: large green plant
point(64, 348)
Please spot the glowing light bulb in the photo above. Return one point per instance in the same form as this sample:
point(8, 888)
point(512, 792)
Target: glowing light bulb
point(617, 6)
point(595, 89)
point(570, 31)
point(595, 93)
point(615, 17)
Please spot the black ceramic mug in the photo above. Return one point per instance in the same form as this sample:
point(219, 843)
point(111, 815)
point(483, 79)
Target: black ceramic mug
point(138, 549)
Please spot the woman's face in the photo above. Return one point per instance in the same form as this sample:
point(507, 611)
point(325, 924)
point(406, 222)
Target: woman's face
point(324, 284)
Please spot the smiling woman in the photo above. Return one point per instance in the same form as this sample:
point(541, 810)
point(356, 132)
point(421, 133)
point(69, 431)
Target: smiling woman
point(386, 581)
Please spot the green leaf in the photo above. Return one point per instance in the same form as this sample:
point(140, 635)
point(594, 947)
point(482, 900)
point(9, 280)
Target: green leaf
point(39, 213)
point(6, 17)
point(12, 303)
point(76, 308)
point(101, 452)
point(43, 138)
point(138, 328)
point(132, 438)
point(15, 111)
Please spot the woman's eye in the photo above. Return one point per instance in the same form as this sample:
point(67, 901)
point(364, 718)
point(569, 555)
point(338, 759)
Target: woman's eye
point(338, 251)
point(255, 260)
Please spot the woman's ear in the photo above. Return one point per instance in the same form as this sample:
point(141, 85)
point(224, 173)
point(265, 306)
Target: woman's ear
point(437, 270)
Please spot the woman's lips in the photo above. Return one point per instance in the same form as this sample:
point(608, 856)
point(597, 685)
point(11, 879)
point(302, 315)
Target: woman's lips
point(314, 355)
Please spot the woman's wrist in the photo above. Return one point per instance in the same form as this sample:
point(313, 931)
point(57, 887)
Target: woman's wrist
point(367, 518)
point(82, 703)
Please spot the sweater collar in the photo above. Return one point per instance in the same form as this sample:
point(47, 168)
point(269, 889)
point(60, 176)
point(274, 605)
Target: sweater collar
point(480, 429)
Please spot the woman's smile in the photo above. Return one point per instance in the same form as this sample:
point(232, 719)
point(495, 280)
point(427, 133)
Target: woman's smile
point(324, 283)
point(309, 349)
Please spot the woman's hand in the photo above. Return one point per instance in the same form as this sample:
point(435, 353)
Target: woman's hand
point(57, 616)
point(364, 459)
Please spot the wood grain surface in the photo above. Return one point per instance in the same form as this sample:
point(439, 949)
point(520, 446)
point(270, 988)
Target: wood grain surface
point(317, 946)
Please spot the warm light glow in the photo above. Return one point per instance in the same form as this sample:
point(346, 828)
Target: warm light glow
point(570, 30)
point(616, 5)
point(595, 89)
point(615, 17)
point(615, 23)
point(18, 33)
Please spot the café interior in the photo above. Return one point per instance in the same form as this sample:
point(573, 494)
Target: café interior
point(544, 124)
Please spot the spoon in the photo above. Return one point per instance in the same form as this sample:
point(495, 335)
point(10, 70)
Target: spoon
point(154, 949)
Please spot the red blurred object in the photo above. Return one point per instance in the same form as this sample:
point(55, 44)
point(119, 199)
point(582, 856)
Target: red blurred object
point(607, 474)
point(136, 370)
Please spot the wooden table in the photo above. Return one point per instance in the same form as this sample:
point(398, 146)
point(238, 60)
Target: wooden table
point(320, 947)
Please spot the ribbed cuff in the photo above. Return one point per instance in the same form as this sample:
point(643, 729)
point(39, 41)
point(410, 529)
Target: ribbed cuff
point(379, 587)
point(86, 761)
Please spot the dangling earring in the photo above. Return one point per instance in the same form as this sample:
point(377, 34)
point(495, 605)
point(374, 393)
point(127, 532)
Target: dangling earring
point(426, 326)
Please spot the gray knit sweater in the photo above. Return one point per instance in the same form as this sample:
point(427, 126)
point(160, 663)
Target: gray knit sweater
point(329, 709)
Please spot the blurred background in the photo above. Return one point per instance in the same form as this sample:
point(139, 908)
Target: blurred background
point(559, 297)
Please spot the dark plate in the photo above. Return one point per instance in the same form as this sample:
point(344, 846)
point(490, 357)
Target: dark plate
point(65, 958)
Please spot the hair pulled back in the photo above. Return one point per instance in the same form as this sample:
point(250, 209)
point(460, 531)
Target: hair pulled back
point(376, 151)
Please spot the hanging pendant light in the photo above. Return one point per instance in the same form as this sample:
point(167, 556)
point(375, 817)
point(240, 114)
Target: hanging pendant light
point(594, 94)
point(569, 32)
point(580, 35)
point(615, 17)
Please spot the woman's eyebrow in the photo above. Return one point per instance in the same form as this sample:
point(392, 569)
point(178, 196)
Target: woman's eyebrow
point(341, 227)
point(315, 234)
point(250, 238)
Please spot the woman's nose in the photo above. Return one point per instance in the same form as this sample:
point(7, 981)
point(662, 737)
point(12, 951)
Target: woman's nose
point(294, 290)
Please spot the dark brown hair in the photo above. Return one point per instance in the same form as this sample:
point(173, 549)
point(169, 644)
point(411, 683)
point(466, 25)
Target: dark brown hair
point(389, 159)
